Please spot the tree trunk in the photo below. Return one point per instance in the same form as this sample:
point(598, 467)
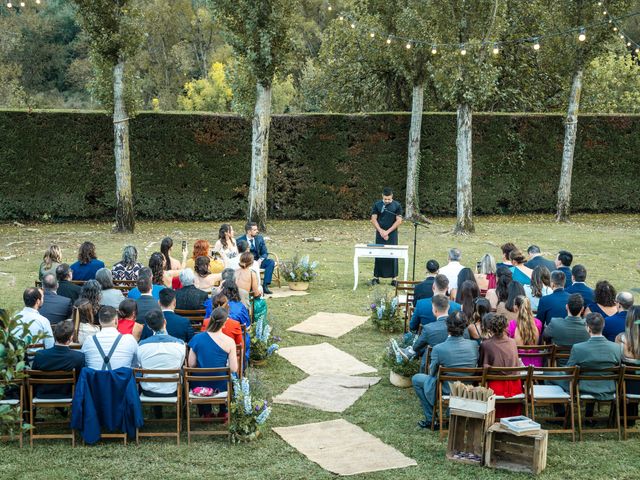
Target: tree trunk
point(413, 157)
point(260, 157)
point(125, 221)
point(464, 224)
point(570, 133)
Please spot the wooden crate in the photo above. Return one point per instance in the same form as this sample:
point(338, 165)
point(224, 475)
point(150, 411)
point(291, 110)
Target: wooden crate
point(526, 452)
point(467, 434)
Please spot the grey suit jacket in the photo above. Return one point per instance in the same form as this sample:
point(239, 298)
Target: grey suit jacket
point(566, 332)
point(596, 353)
point(454, 352)
point(433, 334)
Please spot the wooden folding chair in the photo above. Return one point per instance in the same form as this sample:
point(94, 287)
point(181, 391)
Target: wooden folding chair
point(125, 286)
point(544, 352)
point(223, 398)
point(240, 355)
point(276, 270)
point(196, 317)
point(160, 377)
point(630, 375)
point(611, 374)
point(561, 355)
point(57, 377)
point(19, 405)
point(445, 374)
point(504, 374)
point(404, 293)
point(543, 392)
point(427, 354)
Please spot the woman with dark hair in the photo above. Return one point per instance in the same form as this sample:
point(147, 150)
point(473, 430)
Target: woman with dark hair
point(232, 328)
point(237, 310)
point(92, 291)
point(500, 293)
point(204, 279)
point(247, 280)
point(226, 246)
point(464, 275)
point(111, 296)
point(520, 272)
point(501, 351)
point(506, 308)
point(469, 291)
point(50, 261)
point(525, 330)
point(213, 349)
point(159, 275)
point(127, 313)
point(476, 330)
point(84, 320)
point(88, 264)
point(170, 262)
point(128, 267)
point(539, 287)
point(604, 300)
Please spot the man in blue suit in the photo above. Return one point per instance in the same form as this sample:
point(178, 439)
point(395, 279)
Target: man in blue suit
point(177, 326)
point(563, 263)
point(258, 248)
point(579, 276)
point(536, 259)
point(454, 352)
point(425, 289)
point(555, 304)
point(423, 313)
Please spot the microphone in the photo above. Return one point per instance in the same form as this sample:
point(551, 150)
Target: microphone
point(384, 206)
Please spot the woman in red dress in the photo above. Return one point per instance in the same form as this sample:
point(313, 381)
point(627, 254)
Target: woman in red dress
point(501, 351)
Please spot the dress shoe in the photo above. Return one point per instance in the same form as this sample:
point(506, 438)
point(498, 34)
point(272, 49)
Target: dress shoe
point(394, 283)
point(266, 290)
point(427, 425)
point(374, 281)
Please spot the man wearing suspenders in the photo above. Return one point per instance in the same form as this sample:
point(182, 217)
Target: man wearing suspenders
point(109, 349)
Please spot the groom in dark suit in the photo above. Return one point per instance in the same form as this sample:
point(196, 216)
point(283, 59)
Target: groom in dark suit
point(258, 248)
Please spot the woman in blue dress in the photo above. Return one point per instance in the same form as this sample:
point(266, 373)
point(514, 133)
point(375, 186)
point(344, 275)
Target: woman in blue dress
point(519, 271)
point(604, 296)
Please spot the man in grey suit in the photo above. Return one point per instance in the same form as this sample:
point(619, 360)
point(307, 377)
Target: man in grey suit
point(55, 308)
point(596, 353)
point(566, 332)
point(454, 352)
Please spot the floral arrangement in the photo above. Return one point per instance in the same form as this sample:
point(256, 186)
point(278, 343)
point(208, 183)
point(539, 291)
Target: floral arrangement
point(249, 410)
point(385, 313)
point(261, 346)
point(397, 362)
point(299, 269)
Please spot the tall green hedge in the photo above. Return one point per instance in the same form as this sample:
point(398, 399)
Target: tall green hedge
point(59, 165)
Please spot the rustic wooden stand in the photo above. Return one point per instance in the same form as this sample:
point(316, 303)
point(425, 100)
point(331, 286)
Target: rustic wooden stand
point(526, 452)
point(467, 434)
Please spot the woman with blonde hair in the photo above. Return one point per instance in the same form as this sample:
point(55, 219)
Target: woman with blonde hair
point(50, 261)
point(519, 271)
point(525, 329)
point(486, 276)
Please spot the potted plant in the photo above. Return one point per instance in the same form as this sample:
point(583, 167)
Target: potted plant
point(261, 342)
point(299, 271)
point(385, 313)
point(249, 410)
point(401, 369)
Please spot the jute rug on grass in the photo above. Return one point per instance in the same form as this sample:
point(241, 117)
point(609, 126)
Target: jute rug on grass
point(332, 325)
point(330, 393)
point(343, 448)
point(285, 292)
point(324, 359)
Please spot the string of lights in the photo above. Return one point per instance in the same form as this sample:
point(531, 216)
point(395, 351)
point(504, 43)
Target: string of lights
point(21, 4)
point(496, 45)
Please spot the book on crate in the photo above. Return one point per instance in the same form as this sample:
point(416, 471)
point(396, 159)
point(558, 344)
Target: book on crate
point(520, 424)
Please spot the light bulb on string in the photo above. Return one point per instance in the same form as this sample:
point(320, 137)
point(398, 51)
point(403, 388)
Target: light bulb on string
point(434, 49)
point(372, 34)
point(353, 25)
point(621, 37)
point(9, 5)
point(388, 40)
point(583, 35)
point(463, 50)
point(615, 29)
point(22, 4)
point(536, 44)
point(496, 49)
point(408, 45)
point(637, 50)
point(604, 13)
point(341, 18)
point(599, 4)
point(37, 2)
point(628, 44)
point(328, 8)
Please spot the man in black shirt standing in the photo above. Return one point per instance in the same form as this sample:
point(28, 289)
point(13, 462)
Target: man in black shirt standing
point(386, 217)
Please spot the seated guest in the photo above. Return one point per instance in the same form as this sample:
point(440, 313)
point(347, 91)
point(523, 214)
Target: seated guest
point(579, 277)
point(452, 269)
point(630, 342)
point(55, 308)
point(50, 261)
point(176, 326)
point(237, 310)
point(160, 276)
point(463, 276)
point(507, 308)
point(243, 246)
point(201, 248)
point(566, 332)
point(58, 358)
point(227, 275)
point(554, 304)
point(476, 330)
point(38, 325)
point(128, 267)
point(88, 264)
point(161, 351)
point(226, 246)
point(486, 276)
point(501, 292)
point(469, 293)
point(127, 315)
point(258, 248)
point(109, 349)
point(213, 349)
point(613, 324)
point(454, 352)
point(507, 248)
point(134, 293)
point(563, 262)
point(596, 353)
point(66, 288)
point(425, 289)
point(84, 320)
point(247, 280)
point(189, 297)
point(501, 351)
point(232, 328)
point(146, 302)
point(539, 287)
point(519, 272)
point(111, 296)
point(525, 330)
point(204, 279)
point(171, 263)
point(536, 259)
point(92, 291)
point(423, 313)
point(604, 300)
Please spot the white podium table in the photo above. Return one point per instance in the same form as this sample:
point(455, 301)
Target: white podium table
point(383, 251)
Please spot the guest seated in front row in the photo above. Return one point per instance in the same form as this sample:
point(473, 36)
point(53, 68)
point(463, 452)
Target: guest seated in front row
point(189, 297)
point(109, 349)
point(555, 304)
point(177, 326)
point(454, 352)
point(88, 264)
point(425, 289)
point(66, 287)
point(423, 313)
point(60, 358)
point(566, 332)
point(615, 324)
point(55, 308)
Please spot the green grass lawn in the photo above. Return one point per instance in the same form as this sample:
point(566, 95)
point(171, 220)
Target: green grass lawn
point(609, 246)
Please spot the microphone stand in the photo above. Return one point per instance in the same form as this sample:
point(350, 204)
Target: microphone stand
point(415, 240)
